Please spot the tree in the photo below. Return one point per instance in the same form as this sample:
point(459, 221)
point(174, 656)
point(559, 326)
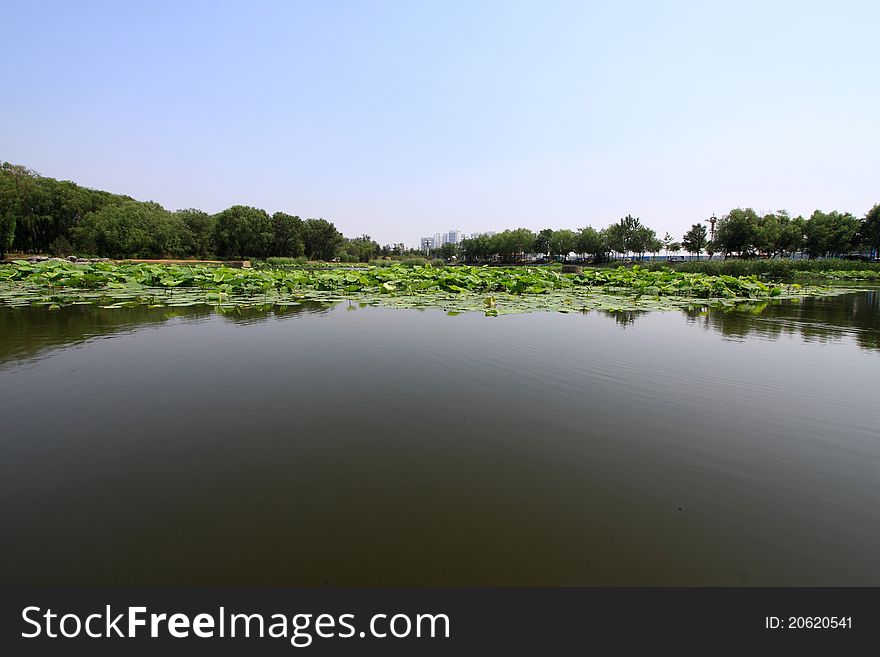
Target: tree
point(870, 230)
point(198, 238)
point(322, 240)
point(287, 236)
point(511, 244)
point(129, 229)
point(735, 232)
point(641, 239)
point(791, 240)
point(242, 231)
point(15, 184)
point(448, 251)
point(776, 234)
point(562, 242)
point(616, 238)
point(542, 241)
point(7, 232)
point(477, 248)
point(667, 240)
point(632, 238)
point(694, 241)
point(359, 249)
point(591, 242)
point(830, 234)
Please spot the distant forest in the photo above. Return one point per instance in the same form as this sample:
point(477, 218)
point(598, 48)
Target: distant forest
point(59, 217)
point(44, 215)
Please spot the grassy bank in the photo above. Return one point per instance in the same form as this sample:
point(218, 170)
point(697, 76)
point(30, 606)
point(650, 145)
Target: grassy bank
point(778, 268)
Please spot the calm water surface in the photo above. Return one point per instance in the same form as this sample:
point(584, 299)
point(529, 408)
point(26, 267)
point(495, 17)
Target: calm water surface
point(368, 446)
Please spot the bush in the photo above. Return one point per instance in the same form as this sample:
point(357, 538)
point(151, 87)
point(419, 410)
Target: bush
point(438, 262)
point(286, 262)
point(773, 268)
point(413, 262)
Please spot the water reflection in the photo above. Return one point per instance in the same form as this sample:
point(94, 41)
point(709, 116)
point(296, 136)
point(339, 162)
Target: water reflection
point(397, 448)
point(260, 314)
point(28, 332)
point(623, 318)
point(814, 319)
point(31, 331)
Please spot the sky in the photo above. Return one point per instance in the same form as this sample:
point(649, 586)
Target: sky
point(404, 119)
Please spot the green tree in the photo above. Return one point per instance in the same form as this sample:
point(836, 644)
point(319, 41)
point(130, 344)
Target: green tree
point(870, 230)
point(592, 243)
point(830, 234)
point(287, 236)
point(476, 249)
point(694, 241)
point(359, 249)
point(242, 231)
point(448, 251)
point(198, 232)
point(322, 240)
point(542, 241)
point(16, 183)
point(667, 240)
point(791, 240)
point(511, 244)
point(735, 232)
point(562, 242)
point(777, 234)
point(617, 238)
point(633, 238)
point(128, 229)
point(641, 239)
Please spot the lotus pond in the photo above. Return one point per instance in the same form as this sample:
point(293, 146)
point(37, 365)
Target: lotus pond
point(296, 432)
point(493, 291)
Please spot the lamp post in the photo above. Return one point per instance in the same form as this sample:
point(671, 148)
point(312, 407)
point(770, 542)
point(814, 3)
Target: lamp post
point(711, 221)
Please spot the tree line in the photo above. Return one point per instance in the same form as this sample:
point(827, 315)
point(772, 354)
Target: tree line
point(741, 232)
point(43, 215)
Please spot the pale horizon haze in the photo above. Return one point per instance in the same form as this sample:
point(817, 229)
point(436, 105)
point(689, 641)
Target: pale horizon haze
point(404, 119)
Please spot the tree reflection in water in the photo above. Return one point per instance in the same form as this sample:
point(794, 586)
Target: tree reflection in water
point(29, 332)
point(826, 319)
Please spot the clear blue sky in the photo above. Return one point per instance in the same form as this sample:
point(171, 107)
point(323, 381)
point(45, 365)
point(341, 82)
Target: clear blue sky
point(403, 119)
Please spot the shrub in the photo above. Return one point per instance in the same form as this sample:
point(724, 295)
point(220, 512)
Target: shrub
point(772, 268)
point(286, 262)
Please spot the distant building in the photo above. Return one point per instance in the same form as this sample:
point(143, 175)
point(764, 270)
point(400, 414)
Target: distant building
point(454, 236)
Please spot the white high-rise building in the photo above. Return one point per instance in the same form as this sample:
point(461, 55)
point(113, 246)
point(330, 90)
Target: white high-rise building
point(427, 244)
point(454, 236)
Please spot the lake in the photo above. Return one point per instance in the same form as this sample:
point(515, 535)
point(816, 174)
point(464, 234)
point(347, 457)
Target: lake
point(352, 446)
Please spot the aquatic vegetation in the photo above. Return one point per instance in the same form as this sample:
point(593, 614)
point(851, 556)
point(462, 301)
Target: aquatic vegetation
point(842, 275)
point(780, 268)
point(492, 290)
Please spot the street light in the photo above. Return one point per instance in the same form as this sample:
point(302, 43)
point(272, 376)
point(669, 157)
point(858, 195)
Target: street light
point(711, 221)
